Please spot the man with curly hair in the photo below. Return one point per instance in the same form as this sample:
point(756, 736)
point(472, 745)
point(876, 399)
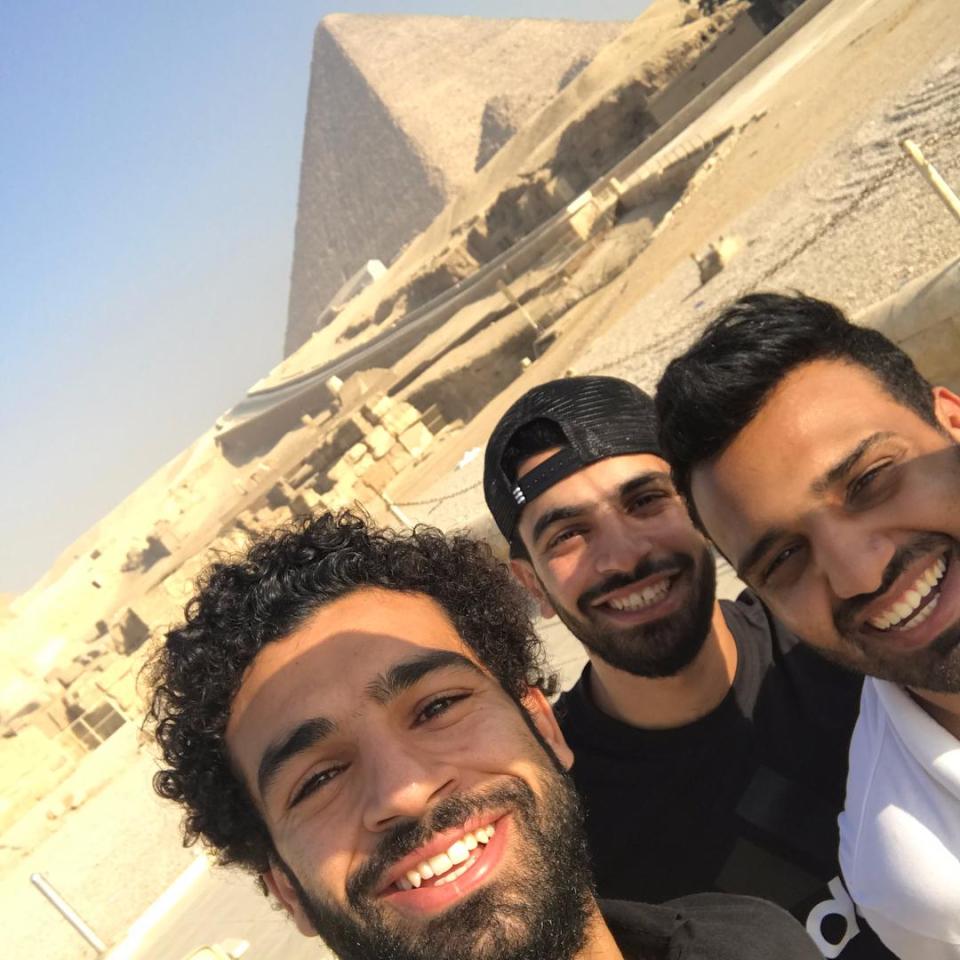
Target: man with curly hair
point(359, 717)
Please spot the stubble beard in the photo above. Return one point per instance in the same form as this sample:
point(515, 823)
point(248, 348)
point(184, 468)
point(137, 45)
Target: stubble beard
point(660, 649)
point(538, 907)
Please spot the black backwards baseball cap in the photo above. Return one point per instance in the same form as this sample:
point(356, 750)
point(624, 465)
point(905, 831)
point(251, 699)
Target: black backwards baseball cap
point(600, 417)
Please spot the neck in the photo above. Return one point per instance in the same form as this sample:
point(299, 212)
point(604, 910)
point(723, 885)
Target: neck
point(943, 707)
point(665, 702)
point(600, 944)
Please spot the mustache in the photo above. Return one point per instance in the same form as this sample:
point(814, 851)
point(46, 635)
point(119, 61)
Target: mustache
point(676, 563)
point(847, 612)
point(448, 813)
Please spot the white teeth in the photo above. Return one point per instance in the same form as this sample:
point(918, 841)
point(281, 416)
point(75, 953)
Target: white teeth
point(458, 852)
point(903, 609)
point(924, 614)
point(911, 600)
point(441, 865)
point(453, 876)
point(642, 598)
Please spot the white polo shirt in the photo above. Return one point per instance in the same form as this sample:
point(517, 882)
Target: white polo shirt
point(900, 829)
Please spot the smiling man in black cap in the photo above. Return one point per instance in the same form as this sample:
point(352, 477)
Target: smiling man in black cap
point(710, 747)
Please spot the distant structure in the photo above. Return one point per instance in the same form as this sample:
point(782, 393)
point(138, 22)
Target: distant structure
point(401, 112)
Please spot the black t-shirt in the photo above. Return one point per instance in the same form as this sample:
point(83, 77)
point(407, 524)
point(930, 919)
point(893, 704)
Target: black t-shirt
point(707, 926)
point(744, 800)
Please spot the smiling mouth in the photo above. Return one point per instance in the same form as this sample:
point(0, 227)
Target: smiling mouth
point(916, 604)
point(639, 599)
point(450, 864)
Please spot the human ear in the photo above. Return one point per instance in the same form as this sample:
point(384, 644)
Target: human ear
point(946, 405)
point(279, 885)
point(541, 713)
point(523, 571)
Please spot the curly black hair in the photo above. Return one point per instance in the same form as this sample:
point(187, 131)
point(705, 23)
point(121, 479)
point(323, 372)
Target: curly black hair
point(263, 596)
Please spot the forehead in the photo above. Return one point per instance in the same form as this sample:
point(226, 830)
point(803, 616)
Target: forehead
point(814, 418)
point(323, 667)
point(594, 483)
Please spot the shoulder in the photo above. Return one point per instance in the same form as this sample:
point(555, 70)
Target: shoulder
point(721, 927)
point(900, 828)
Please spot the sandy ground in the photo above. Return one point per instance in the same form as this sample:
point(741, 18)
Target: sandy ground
point(822, 200)
point(816, 189)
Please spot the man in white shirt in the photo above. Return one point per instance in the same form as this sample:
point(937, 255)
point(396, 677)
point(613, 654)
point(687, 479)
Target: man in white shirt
point(827, 470)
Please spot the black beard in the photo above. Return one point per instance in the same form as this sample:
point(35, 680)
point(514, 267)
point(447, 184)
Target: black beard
point(936, 667)
point(660, 649)
point(538, 908)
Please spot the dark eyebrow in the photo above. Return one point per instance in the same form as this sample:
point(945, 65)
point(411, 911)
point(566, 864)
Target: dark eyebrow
point(576, 510)
point(381, 689)
point(643, 480)
point(558, 513)
point(306, 735)
point(840, 469)
point(401, 676)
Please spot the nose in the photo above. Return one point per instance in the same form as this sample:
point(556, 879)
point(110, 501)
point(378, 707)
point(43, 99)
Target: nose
point(618, 546)
point(853, 560)
point(403, 782)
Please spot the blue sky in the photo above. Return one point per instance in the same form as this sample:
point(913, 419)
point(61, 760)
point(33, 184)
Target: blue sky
point(149, 166)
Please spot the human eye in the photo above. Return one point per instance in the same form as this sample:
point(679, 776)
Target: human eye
point(562, 537)
point(436, 706)
point(778, 564)
point(870, 484)
point(314, 782)
point(647, 500)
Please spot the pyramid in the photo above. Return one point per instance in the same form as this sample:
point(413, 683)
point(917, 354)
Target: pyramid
point(402, 110)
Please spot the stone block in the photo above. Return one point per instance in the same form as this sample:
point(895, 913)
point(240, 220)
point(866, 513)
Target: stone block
point(340, 472)
point(356, 453)
point(380, 440)
point(343, 438)
point(400, 418)
point(379, 475)
point(114, 673)
point(341, 497)
point(301, 476)
point(361, 467)
point(416, 440)
point(399, 457)
point(306, 502)
point(67, 674)
point(379, 408)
